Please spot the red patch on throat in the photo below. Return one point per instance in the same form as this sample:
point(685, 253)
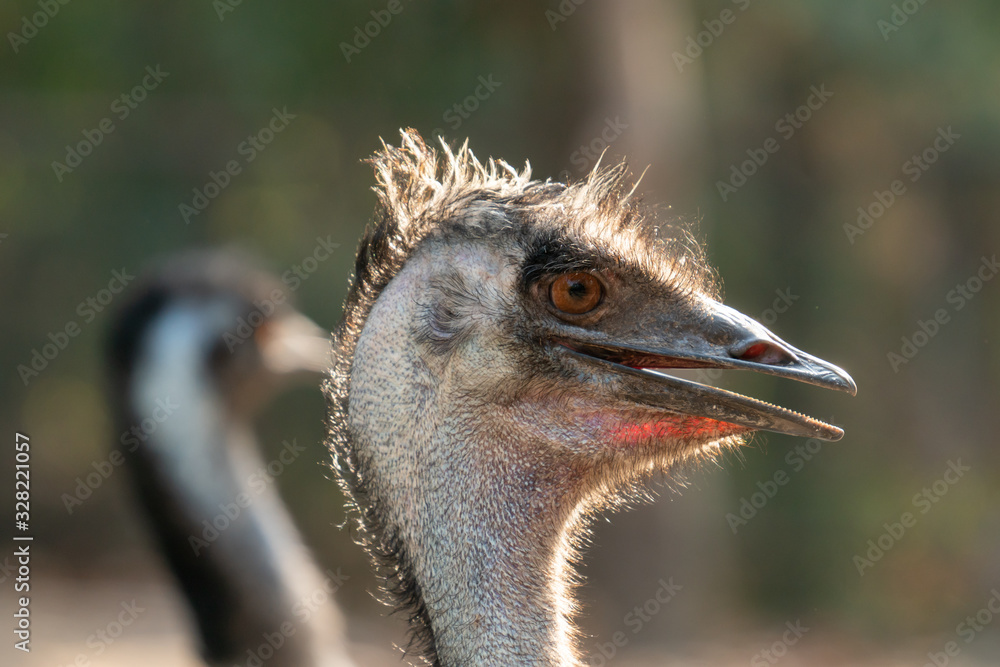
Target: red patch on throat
point(679, 428)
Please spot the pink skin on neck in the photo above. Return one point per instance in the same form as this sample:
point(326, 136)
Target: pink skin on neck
point(681, 427)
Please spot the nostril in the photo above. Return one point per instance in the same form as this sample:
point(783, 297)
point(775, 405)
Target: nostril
point(754, 351)
point(764, 352)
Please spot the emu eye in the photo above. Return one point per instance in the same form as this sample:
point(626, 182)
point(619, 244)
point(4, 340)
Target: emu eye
point(576, 293)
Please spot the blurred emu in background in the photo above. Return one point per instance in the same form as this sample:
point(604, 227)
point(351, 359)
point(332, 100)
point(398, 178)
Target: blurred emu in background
point(205, 341)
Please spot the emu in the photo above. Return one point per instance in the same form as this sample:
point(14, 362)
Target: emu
point(498, 378)
point(203, 343)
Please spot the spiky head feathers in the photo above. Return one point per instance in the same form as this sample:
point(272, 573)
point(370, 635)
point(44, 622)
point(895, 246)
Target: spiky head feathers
point(428, 196)
point(425, 192)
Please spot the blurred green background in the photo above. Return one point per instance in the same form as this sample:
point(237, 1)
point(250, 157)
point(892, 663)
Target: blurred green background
point(685, 87)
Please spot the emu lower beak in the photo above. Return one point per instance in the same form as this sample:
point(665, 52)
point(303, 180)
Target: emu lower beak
point(294, 344)
point(730, 340)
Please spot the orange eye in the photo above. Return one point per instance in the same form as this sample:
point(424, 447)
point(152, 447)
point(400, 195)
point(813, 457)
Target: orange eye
point(576, 293)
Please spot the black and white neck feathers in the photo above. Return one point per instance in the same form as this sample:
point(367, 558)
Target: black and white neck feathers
point(191, 379)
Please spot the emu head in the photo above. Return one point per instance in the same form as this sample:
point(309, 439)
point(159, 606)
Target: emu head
point(499, 362)
point(552, 301)
point(211, 318)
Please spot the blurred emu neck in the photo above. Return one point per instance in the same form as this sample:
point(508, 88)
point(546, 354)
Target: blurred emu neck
point(240, 564)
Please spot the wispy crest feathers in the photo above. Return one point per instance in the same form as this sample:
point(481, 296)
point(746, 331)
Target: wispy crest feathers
point(424, 191)
point(417, 184)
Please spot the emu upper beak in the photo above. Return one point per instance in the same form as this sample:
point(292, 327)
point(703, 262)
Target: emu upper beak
point(724, 339)
point(294, 344)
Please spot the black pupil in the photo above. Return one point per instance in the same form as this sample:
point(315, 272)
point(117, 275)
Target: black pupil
point(577, 289)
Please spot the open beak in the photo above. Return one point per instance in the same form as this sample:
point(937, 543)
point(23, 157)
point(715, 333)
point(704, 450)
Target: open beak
point(725, 339)
point(293, 344)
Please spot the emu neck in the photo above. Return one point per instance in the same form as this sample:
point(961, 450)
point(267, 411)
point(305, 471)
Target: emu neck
point(485, 519)
point(489, 533)
point(498, 540)
point(214, 507)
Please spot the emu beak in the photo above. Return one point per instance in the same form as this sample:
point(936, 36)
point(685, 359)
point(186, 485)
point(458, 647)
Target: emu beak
point(294, 344)
point(725, 339)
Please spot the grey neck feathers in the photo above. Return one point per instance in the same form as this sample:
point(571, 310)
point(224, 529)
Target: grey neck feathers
point(216, 512)
point(487, 527)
